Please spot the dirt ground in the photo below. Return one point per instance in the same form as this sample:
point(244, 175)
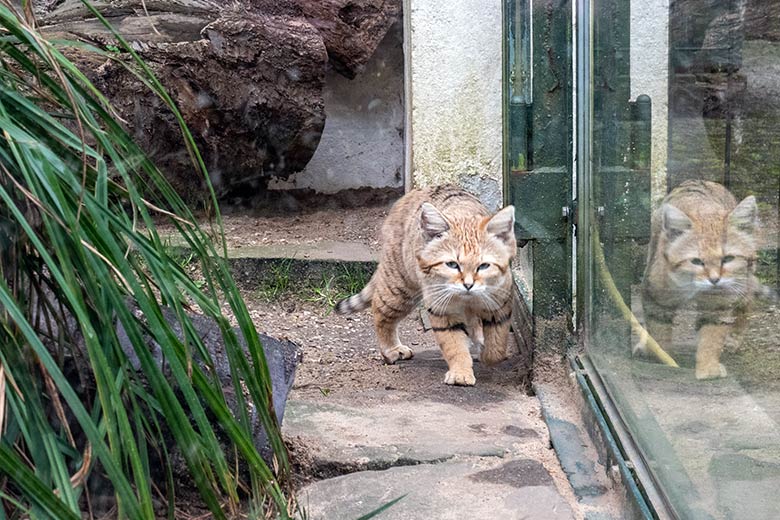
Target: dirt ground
point(340, 358)
point(309, 228)
point(355, 216)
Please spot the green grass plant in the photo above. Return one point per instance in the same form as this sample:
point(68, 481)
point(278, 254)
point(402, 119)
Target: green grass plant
point(278, 281)
point(337, 284)
point(74, 193)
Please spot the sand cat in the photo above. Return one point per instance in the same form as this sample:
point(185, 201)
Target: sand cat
point(440, 245)
point(701, 256)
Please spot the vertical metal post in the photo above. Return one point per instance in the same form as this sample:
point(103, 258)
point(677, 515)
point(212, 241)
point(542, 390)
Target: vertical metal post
point(584, 121)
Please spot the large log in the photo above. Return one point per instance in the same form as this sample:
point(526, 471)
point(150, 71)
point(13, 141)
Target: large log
point(352, 29)
point(247, 77)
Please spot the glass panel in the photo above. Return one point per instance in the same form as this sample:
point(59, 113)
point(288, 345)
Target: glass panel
point(684, 238)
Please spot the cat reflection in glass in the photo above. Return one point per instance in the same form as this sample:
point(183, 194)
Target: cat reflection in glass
point(701, 259)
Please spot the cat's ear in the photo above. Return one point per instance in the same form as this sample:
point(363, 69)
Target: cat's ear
point(432, 222)
point(745, 215)
point(675, 221)
point(502, 224)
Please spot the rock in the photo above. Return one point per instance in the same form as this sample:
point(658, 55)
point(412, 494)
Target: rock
point(282, 357)
point(447, 490)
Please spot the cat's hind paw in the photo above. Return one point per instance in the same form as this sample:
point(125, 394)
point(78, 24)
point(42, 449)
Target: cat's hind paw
point(492, 356)
point(460, 377)
point(398, 352)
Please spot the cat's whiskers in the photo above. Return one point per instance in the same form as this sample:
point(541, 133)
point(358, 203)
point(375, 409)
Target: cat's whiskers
point(442, 295)
point(731, 285)
point(737, 286)
point(436, 305)
point(445, 303)
point(491, 302)
point(491, 305)
point(498, 291)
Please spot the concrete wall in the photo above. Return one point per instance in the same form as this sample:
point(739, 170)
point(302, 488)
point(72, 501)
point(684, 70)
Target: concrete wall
point(362, 144)
point(454, 123)
point(650, 75)
point(449, 72)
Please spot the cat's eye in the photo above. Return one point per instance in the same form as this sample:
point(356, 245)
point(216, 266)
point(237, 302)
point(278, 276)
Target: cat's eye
point(697, 261)
point(453, 265)
point(727, 259)
point(482, 267)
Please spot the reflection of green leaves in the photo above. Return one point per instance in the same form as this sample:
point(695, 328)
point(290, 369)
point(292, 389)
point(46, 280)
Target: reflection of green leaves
point(766, 267)
point(72, 258)
point(519, 164)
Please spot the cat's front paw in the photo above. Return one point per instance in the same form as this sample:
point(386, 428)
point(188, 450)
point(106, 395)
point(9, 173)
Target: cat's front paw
point(710, 372)
point(460, 377)
point(398, 352)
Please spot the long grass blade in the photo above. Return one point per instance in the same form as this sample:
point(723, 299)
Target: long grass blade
point(74, 266)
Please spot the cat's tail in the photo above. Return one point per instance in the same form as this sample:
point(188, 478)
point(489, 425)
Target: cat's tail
point(357, 302)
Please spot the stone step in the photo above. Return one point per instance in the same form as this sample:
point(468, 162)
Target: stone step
point(325, 250)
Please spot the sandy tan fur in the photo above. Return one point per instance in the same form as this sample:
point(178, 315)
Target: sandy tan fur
point(701, 255)
point(425, 231)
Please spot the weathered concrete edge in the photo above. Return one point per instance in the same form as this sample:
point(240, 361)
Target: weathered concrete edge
point(633, 502)
point(331, 250)
point(247, 271)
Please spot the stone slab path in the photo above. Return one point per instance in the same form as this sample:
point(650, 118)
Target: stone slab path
point(479, 452)
point(450, 461)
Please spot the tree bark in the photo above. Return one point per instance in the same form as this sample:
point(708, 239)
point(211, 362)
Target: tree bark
point(352, 29)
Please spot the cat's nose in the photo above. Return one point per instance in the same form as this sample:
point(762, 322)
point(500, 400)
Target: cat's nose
point(713, 275)
point(468, 286)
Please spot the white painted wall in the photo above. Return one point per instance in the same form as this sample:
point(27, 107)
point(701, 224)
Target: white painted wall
point(650, 75)
point(362, 144)
point(454, 123)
